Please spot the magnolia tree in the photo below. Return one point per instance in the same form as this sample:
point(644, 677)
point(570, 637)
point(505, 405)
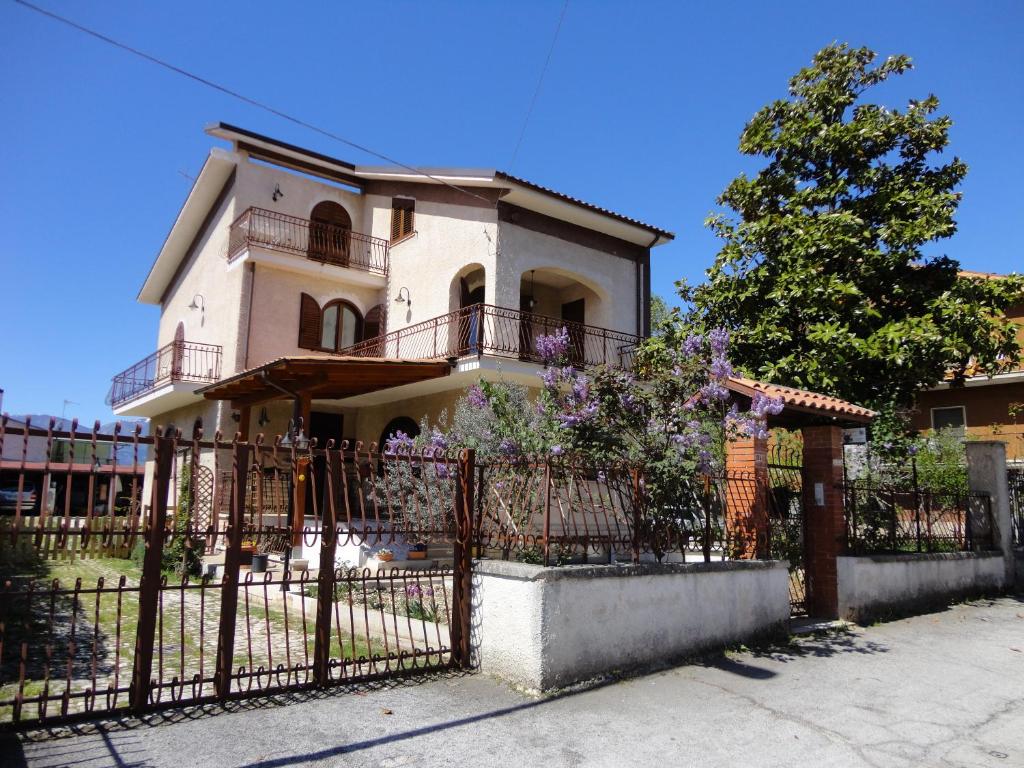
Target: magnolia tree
point(675, 422)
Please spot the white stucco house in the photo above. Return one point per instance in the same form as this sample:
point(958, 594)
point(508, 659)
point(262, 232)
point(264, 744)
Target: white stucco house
point(365, 298)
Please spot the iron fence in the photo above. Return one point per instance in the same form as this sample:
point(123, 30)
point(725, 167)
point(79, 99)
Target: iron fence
point(323, 243)
point(1015, 481)
point(187, 618)
point(174, 362)
point(904, 519)
point(482, 329)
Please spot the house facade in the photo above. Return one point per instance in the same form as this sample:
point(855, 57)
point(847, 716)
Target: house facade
point(985, 407)
point(364, 299)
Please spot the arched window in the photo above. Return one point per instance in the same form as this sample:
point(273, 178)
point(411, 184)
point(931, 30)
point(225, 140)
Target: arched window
point(341, 326)
point(335, 326)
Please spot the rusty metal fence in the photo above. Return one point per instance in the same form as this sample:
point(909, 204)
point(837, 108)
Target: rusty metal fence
point(189, 618)
point(367, 557)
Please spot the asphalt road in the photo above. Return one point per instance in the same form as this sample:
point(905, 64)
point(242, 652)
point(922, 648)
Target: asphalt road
point(943, 689)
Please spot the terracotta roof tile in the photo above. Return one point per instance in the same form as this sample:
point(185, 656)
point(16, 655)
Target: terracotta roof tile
point(802, 399)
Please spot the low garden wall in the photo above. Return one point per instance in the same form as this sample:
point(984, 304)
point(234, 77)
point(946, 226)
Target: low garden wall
point(545, 628)
point(878, 585)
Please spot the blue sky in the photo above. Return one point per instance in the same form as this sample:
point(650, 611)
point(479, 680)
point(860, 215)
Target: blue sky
point(640, 111)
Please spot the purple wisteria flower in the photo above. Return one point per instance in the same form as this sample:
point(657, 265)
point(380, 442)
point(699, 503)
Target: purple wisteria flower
point(719, 341)
point(556, 450)
point(552, 347)
point(692, 344)
point(476, 397)
point(399, 442)
point(508, 447)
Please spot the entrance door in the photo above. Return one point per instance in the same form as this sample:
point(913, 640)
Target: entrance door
point(329, 229)
point(574, 312)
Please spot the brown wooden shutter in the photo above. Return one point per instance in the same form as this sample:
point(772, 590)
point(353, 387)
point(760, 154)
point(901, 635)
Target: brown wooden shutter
point(373, 323)
point(309, 322)
point(402, 210)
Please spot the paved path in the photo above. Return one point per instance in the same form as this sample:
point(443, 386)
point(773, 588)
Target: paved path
point(944, 689)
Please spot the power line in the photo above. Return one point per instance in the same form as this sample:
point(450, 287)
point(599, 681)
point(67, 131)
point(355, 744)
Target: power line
point(241, 97)
point(540, 81)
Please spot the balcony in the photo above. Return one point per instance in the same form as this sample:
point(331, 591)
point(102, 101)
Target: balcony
point(338, 251)
point(484, 330)
point(164, 380)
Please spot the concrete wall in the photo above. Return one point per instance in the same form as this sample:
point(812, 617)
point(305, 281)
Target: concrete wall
point(543, 628)
point(880, 585)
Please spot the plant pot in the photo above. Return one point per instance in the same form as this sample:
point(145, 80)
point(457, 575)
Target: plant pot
point(298, 565)
point(248, 550)
point(259, 563)
point(385, 557)
point(417, 554)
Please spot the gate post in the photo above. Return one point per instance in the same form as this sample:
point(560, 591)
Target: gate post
point(463, 561)
point(746, 497)
point(325, 577)
point(986, 470)
point(824, 517)
point(240, 461)
point(149, 585)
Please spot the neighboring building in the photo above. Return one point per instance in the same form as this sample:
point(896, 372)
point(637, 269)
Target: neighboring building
point(989, 407)
point(364, 299)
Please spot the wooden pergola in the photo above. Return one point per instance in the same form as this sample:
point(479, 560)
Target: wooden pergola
point(303, 379)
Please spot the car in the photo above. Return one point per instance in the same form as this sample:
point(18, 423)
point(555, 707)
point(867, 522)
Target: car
point(9, 497)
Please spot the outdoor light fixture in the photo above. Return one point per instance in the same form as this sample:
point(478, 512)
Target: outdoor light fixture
point(264, 418)
point(531, 300)
point(278, 194)
point(201, 305)
point(407, 299)
point(300, 440)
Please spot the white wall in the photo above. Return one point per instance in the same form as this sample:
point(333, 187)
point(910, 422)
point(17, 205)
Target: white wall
point(882, 584)
point(543, 628)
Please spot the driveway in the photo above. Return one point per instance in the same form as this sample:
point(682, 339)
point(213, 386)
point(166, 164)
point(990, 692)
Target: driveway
point(943, 689)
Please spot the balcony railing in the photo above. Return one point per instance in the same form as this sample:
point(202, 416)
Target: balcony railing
point(184, 361)
point(482, 329)
point(323, 243)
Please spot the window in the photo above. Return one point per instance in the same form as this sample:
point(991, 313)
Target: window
point(335, 326)
point(402, 211)
point(953, 417)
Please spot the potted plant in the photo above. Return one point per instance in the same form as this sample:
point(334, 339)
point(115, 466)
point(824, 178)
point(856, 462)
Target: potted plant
point(385, 555)
point(418, 551)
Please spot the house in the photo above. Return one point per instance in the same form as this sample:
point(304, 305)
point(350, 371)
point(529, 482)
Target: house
point(363, 299)
point(990, 407)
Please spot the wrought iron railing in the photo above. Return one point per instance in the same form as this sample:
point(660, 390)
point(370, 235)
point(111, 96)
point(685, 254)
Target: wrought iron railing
point(324, 243)
point(898, 519)
point(177, 361)
point(482, 329)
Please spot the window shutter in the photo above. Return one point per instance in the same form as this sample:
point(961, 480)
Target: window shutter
point(402, 210)
point(309, 322)
point(373, 323)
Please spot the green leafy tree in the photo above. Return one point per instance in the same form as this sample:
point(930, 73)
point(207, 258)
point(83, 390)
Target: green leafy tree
point(822, 279)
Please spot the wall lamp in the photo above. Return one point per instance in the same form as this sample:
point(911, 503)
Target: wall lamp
point(278, 194)
point(407, 299)
point(201, 305)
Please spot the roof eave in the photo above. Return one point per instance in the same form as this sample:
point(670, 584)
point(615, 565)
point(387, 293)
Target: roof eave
point(215, 171)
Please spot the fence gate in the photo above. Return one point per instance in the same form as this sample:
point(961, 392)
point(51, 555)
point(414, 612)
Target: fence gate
point(1015, 478)
point(786, 520)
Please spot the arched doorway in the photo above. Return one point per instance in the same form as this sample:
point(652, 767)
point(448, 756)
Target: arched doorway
point(329, 229)
point(468, 290)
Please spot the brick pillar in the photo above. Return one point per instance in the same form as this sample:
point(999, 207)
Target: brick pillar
point(824, 517)
point(746, 502)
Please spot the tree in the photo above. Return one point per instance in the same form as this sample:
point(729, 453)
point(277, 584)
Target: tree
point(661, 315)
point(822, 280)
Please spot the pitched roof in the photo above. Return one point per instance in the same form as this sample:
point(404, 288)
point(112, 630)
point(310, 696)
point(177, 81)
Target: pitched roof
point(804, 401)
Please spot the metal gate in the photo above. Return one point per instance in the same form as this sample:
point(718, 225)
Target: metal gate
point(368, 580)
point(1015, 479)
point(786, 522)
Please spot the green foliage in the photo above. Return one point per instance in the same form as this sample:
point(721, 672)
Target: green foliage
point(822, 279)
point(179, 558)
